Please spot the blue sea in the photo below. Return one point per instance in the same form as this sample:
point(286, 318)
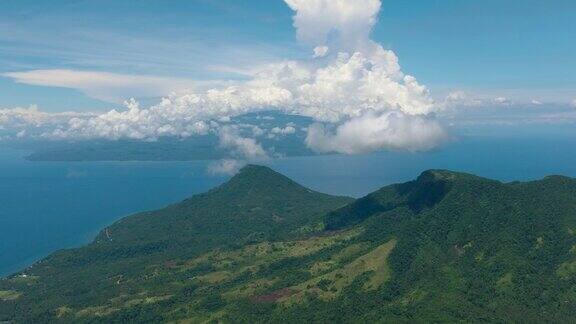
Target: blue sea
point(46, 206)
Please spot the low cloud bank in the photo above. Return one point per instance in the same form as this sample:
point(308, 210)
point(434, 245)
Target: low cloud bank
point(371, 132)
point(351, 87)
point(111, 87)
point(225, 167)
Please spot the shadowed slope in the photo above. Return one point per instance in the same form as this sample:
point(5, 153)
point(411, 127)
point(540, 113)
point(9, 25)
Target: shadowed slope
point(418, 195)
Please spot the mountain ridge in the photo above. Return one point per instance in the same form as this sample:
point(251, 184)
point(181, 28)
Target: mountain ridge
point(445, 247)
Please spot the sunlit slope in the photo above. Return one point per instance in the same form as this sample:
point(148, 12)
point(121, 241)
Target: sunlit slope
point(473, 249)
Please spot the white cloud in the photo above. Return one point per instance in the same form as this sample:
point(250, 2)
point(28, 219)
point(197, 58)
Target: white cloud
point(461, 99)
point(488, 111)
point(137, 123)
point(225, 167)
point(32, 121)
point(458, 99)
point(352, 82)
point(345, 23)
point(346, 87)
point(242, 147)
point(257, 131)
point(372, 132)
point(536, 102)
point(283, 131)
point(502, 101)
point(574, 103)
point(105, 86)
point(321, 51)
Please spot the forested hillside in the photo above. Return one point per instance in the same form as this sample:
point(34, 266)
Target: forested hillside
point(446, 247)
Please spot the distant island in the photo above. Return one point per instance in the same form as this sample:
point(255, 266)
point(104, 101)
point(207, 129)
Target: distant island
point(165, 149)
point(208, 146)
point(446, 247)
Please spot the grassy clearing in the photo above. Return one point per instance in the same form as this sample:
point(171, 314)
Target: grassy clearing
point(250, 289)
point(224, 266)
point(505, 281)
point(413, 297)
point(344, 256)
point(377, 261)
point(24, 279)
point(229, 264)
point(96, 311)
point(63, 311)
point(330, 285)
point(116, 304)
point(566, 269)
point(215, 277)
point(350, 251)
point(6, 295)
point(322, 267)
point(273, 250)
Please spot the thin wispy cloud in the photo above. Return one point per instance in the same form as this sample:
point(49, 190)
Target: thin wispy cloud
point(111, 87)
point(169, 51)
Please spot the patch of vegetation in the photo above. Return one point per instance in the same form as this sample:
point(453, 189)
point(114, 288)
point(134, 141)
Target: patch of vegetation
point(330, 285)
point(7, 295)
point(567, 269)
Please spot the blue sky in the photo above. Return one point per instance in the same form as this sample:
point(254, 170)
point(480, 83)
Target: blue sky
point(515, 48)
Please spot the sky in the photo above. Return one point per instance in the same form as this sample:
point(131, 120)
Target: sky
point(516, 48)
point(372, 74)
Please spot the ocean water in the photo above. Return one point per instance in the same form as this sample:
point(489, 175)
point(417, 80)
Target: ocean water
point(46, 206)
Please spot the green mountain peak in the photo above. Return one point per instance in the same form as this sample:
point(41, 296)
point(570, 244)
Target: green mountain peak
point(257, 168)
point(448, 175)
point(256, 204)
point(257, 177)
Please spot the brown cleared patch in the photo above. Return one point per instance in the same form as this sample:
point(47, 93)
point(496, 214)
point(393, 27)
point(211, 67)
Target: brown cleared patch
point(273, 296)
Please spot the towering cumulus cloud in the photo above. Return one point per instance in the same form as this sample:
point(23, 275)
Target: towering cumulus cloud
point(374, 104)
point(346, 24)
point(351, 86)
